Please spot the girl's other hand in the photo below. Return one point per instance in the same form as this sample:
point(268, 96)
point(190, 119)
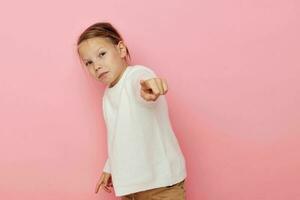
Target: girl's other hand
point(152, 88)
point(105, 182)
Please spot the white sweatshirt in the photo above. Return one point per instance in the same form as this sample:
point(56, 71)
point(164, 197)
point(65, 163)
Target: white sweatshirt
point(143, 152)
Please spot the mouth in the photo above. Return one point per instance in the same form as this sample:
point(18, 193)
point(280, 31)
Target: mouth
point(102, 74)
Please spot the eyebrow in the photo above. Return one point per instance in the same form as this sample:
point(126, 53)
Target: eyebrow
point(97, 51)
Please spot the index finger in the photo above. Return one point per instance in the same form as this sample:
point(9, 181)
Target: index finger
point(153, 85)
point(97, 188)
point(144, 84)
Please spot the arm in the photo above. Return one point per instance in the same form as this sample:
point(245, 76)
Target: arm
point(147, 86)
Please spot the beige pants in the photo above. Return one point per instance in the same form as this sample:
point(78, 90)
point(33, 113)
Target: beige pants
point(173, 192)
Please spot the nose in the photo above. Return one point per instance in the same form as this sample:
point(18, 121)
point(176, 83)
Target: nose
point(97, 68)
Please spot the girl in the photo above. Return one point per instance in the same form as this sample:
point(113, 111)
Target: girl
point(144, 158)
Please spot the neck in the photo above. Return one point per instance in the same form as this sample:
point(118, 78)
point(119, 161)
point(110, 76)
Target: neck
point(124, 66)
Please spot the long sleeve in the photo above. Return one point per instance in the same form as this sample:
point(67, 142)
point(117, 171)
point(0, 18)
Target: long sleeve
point(106, 167)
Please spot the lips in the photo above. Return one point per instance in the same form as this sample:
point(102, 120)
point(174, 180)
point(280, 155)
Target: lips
point(103, 73)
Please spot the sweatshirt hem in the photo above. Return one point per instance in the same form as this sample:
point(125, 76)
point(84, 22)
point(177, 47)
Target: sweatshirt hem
point(161, 182)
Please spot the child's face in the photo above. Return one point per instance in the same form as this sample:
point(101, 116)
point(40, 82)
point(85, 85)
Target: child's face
point(104, 60)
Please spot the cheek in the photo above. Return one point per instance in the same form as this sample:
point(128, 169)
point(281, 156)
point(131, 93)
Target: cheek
point(114, 58)
point(90, 71)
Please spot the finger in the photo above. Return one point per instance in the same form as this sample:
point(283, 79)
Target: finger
point(160, 86)
point(99, 183)
point(150, 86)
point(107, 189)
point(165, 86)
point(144, 84)
point(107, 181)
point(147, 96)
point(154, 87)
point(104, 187)
point(97, 188)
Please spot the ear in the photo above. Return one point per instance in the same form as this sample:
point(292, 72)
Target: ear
point(122, 49)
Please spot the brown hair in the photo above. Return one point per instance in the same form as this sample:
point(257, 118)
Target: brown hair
point(104, 30)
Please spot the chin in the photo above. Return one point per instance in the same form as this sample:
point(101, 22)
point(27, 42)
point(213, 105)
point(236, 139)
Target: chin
point(105, 82)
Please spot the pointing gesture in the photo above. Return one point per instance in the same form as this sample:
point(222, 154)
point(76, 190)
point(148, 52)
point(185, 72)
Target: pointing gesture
point(152, 88)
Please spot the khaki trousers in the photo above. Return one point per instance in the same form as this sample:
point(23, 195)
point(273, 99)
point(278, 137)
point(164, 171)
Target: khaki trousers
point(172, 192)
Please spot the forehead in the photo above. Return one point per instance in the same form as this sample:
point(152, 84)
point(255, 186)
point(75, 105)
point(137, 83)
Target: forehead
point(93, 44)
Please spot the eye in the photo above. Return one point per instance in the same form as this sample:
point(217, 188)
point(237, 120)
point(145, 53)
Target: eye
point(87, 63)
point(102, 54)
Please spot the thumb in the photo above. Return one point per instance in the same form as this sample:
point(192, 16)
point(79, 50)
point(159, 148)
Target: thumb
point(144, 84)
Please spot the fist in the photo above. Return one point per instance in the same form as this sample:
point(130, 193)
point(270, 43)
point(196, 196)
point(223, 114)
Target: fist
point(152, 88)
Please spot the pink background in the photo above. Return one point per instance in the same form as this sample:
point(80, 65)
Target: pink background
point(234, 90)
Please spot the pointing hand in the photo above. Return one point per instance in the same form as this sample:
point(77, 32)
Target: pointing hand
point(152, 88)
